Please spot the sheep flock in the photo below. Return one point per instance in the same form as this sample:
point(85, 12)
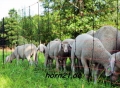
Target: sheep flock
point(90, 51)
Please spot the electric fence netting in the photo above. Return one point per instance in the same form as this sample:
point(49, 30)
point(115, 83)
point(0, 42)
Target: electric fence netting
point(61, 19)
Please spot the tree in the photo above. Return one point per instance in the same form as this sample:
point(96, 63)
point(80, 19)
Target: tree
point(11, 28)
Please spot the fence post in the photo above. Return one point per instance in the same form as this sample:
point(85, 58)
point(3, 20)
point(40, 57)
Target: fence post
point(3, 38)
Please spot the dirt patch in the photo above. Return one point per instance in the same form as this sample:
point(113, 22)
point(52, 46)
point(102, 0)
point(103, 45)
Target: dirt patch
point(6, 49)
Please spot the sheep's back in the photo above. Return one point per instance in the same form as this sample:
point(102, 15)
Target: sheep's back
point(107, 35)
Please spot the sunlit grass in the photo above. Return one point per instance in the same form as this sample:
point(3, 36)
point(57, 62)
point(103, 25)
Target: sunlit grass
point(25, 76)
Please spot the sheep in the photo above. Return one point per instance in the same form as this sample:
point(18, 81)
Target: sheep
point(52, 53)
point(91, 32)
point(41, 48)
point(116, 69)
point(82, 48)
point(24, 51)
point(64, 52)
point(107, 35)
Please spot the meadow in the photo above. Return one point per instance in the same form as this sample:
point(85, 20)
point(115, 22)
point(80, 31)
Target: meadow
point(25, 76)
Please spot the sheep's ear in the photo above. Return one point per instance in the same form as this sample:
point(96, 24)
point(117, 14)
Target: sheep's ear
point(70, 45)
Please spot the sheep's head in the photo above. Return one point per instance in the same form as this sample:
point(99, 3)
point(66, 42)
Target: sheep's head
point(8, 59)
point(41, 48)
point(110, 67)
point(65, 47)
point(108, 70)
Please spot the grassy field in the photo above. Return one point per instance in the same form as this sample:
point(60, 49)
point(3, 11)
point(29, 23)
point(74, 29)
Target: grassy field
point(25, 76)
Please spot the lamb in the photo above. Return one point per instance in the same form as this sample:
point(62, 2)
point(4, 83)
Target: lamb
point(24, 51)
point(82, 48)
point(64, 52)
point(107, 35)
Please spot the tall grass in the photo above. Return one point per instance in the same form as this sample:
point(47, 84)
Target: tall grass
point(25, 76)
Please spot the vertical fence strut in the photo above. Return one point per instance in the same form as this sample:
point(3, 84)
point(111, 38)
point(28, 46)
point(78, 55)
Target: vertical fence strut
point(117, 27)
point(60, 18)
point(116, 33)
point(3, 29)
point(17, 36)
point(60, 28)
point(30, 29)
point(38, 23)
point(75, 32)
point(93, 33)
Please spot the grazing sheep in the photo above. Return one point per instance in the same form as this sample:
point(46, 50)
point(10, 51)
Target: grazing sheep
point(82, 48)
point(116, 69)
point(107, 35)
point(24, 51)
point(64, 52)
point(91, 32)
point(41, 48)
point(52, 53)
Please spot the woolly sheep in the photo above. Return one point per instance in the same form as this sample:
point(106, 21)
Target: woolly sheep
point(52, 52)
point(82, 48)
point(43, 49)
point(65, 51)
point(24, 51)
point(107, 35)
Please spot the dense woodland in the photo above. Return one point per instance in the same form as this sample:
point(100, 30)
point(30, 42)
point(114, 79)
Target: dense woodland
point(61, 19)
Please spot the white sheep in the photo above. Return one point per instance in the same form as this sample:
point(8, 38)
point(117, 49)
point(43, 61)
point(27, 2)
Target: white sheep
point(41, 48)
point(82, 48)
point(52, 53)
point(22, 52)
point(108, 35)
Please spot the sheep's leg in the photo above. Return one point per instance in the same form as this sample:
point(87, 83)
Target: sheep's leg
point(46, 61)
point(35, 59)
point(64, 64)
point(61, 64)
point(57, 63)
point(29, 60)
point(79, 64)
point(86, 69)
point(17, 59)
point(72, 63)
point(50, 62)
point(94, 72)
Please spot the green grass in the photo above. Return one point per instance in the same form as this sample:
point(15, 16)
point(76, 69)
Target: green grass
point(25, 76)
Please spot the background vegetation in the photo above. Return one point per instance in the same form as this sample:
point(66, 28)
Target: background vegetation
point(60, 19)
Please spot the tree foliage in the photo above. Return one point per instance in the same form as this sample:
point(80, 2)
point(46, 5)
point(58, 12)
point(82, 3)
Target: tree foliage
point(61, 19)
